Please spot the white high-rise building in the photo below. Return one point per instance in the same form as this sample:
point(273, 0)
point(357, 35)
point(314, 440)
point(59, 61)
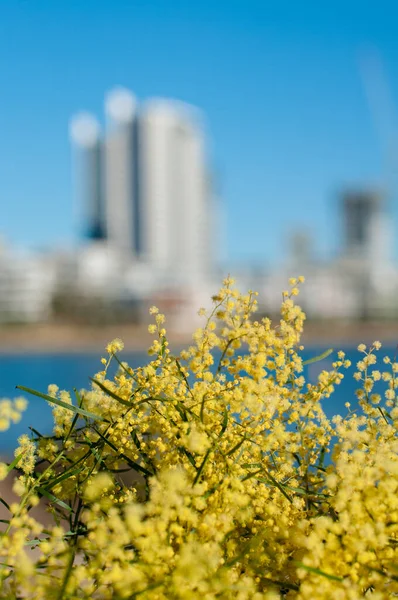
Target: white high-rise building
point(156, 164)
point(192, 216)
point(174, 191)
point(119, 172)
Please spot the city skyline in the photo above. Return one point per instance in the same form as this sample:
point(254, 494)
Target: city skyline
point(284, 101)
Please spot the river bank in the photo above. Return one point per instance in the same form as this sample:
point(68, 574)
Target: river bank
point(71, 338)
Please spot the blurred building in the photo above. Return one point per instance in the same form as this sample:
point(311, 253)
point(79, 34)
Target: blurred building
point(146, 183)
point(26, 287)
point(120, 174)
point(176, 199)
point(85, 132)
point(367, 249)
point(361, 282)
point(366, 235)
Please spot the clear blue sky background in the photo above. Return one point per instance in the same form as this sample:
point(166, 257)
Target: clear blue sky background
point(279, 83)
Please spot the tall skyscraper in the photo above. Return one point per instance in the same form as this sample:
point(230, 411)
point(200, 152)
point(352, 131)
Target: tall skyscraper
point(156, 189)
point(174, 189)
point(120, 175)
point(85, 133)
point(365, 225)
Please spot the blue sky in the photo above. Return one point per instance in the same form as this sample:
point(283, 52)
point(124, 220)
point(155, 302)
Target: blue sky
point(279, 82)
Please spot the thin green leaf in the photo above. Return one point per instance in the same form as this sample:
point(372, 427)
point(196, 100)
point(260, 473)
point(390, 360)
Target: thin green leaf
point(296, 456)
point(94, 452)
point(181, 372)
point(182, 412)
point(14, 463)
point(202, 409)
point(68, 572)
point(5, 503)
point(126, 370)
point(304, 492)
point(111, 394)
point(79, 398)
point(35, 542)
point(188, 455)
point(318, 358)
point(63, 477)
point(136, 439)
point(164, 346)
point(278, 485)
point(318, 572)
point(53, 498)
point(202, 466)
point(253, 474)
point(74, 409)
point(153, 399)
point(72, 426)
point(236, 447)
point(383, 415)
point(224, 423)
point(151, 587)
point(128, 460)
point(144, 455)
point(39, 435)
point(321, 460)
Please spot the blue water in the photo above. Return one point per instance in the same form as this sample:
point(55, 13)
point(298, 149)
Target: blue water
point(73, 371)
point(67, 371)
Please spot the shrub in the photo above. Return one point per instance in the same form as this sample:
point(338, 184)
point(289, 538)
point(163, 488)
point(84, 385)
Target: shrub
point(214, 474)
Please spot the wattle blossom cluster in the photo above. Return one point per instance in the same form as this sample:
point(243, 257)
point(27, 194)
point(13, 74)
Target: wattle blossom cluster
point(10, 412)
point(212, 474)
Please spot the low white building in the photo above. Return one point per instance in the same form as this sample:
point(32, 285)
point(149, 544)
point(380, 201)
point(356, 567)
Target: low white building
point(26, 287)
